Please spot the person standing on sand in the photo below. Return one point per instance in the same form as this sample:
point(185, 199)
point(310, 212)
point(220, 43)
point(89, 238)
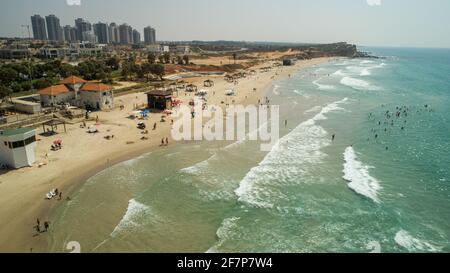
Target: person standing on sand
point(162, 142)
point(46, 226)
point(167, 141)
point(60, 195)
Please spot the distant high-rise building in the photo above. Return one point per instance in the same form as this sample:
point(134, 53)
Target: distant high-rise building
point(90, 37)
point(114, 33)
point(101, 30)
point(136, 37)
point(70, 33)
point(38, 25)
point(54, 29)
point(126, 34)
point(82, 26)
point(149, 35)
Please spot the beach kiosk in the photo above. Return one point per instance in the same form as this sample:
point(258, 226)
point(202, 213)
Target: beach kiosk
point(159, 99)
point(17, 147)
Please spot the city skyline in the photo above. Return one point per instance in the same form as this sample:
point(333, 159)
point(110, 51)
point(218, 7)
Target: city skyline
point(362, 22)
point(51, 29)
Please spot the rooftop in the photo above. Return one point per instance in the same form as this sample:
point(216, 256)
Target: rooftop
point(54, 90)
point(95, 87)
point(13, 132)
point(72, 80)
point(162, 93)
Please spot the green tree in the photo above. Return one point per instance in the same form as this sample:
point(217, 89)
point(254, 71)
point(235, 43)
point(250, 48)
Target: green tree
point(5, 92)
point(125, 70)
point(113, 63)
point(8, 75)
point(161, 59)
point(42, 83)
point(166, 57)
point(158, 69)
point(151, 58)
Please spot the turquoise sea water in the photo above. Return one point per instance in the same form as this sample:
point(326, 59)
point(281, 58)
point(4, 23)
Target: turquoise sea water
point(382, 185)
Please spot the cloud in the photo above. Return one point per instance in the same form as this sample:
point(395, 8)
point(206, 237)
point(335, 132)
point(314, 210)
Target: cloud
point(73, 2)
point(374, 2)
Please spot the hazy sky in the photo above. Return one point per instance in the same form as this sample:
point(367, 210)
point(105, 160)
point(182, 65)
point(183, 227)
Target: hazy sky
point(416, 23)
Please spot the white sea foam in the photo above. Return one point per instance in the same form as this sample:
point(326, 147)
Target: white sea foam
point(339, 73)
point(314, 109)
point(286, 161)
point(135, 213)
point(223, 233)
point(358, 175)
point(374, 247)
point(301, 93)
point(365, 72)
point(406, 240)
point(357, 83)
point(198, 166)
point(367, 62)
point(322, 86)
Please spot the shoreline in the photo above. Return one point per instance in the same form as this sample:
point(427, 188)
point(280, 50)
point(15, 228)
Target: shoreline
point(17, 236)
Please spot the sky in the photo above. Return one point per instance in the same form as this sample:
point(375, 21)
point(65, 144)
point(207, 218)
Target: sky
point(403, 23)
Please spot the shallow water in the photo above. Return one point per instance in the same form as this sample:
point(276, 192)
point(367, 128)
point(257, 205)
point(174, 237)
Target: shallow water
point(358, 193)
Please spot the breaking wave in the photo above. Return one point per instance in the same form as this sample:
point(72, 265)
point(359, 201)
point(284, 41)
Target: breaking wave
point(358, 175)
point(286, 160)
point(406, 240)
point(322, 86)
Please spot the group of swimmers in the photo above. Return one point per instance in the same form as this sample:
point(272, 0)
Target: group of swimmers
point(391, 118)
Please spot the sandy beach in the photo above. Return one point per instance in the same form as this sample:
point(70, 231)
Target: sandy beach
point(22, 192)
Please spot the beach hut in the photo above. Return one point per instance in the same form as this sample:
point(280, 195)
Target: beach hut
point(160, 99)
point(288, 62)
point(191, 88)
point(208, 83)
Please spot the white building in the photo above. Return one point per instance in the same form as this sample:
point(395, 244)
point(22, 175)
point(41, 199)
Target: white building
point(97, 96)
point(17, 147)
point(78, 92)
point(156, 48)
point(27, 104)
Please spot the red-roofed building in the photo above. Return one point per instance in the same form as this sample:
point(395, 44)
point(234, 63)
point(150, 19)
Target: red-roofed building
point(78, 92)
point(55, 94)
point(97, 96)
